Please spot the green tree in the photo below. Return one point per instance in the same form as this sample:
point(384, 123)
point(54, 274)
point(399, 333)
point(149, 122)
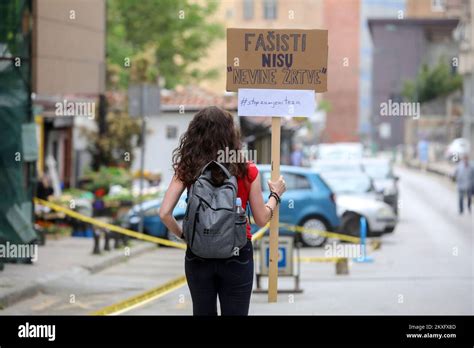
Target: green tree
point(431, 83)
point(179, 31)
point(119, 50)
point(116, 148)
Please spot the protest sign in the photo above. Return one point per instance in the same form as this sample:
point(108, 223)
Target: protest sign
point(276, 102)
point(281, 59)
point(276, 73)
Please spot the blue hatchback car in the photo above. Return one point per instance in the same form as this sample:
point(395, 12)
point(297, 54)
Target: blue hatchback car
point(308, 202)
point(152, 223)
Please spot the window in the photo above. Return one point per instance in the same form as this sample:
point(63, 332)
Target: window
point(248, 9)
point(270, 9)
point(151, 212)
point(390, 27)
point(171, 132)
point(438, 5)
point(293, 181)
point(296, 182)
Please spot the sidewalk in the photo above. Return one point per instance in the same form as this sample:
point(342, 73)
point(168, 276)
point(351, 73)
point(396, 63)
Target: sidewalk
point(440, 168)
point(58, 258)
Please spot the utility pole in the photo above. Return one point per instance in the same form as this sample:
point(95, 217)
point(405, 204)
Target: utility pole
point(142, 155)
point(143, 101)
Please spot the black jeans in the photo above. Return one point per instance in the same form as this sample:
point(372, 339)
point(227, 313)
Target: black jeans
point(231, 279)
point(468, 194)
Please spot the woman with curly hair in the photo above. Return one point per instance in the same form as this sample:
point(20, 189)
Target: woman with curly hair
point(212, 130)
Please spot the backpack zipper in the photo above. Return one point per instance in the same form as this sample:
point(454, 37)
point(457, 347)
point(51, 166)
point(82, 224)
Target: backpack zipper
point(196, 219)
point(202, 200)
point(232, 186)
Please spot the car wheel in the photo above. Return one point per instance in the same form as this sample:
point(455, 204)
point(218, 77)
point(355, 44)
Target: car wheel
point(350, 225)
point(171, 236)
point(313, 239)
point(395, 207)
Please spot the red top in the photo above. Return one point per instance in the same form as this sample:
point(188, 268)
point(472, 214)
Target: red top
point(243, 189)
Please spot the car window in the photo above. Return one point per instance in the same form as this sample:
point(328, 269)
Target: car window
point(151, 212)
point(350, 184)
point(342, 166)
point(378, 170)
point(293, 181)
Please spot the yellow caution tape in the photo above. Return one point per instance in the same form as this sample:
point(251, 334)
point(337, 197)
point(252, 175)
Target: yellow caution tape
point(143, 298)
point(301, 229)
point(166, 288)
point(259, 234)
point(256, 236)
point(328, 234)
point(110, 227)
point(375, 244)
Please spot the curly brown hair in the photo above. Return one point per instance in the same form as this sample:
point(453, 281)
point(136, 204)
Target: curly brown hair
point(211, 129)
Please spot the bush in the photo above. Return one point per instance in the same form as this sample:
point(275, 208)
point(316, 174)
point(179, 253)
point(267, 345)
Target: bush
point(105, 177)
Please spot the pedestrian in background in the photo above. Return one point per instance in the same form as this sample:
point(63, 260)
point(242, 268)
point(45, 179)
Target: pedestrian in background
point(231, 279)
point(44, 188)
point(297, 156)
point(464, 176)
point(423, 153)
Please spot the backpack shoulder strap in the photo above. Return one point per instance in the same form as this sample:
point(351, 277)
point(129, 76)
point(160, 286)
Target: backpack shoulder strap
point(224, 169)
point(247, 184)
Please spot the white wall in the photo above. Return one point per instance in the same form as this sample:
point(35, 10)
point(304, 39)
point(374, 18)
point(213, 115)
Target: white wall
point(159, 148)
point(69, 49)
point(82, 159)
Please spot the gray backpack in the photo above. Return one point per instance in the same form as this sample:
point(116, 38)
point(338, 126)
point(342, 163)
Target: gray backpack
point(213, 226)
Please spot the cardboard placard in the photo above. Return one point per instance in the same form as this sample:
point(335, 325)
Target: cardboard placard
point(276, 102)
point(277, 59)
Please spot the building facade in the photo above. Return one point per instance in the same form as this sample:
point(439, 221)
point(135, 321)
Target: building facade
point(68, 67)
point(341, 122)
point(401, 46)
point(342, 22)
point(371, 9)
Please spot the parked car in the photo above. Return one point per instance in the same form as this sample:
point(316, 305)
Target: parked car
point(456, 149)
point(152, 223)
point(340, 151)
point(385, 181)
point(322, 166)
point(308, 202)
point(357, 197)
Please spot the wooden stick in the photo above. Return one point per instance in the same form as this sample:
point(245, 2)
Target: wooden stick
point(273, 264)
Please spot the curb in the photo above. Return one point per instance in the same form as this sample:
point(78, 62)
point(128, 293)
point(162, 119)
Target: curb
point(428, 169)
point(111, 260)
point(19, 294)
point(27, 291)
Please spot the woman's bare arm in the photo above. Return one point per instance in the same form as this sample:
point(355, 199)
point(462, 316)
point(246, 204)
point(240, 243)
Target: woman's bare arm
point(260, 212)
point(173, 193)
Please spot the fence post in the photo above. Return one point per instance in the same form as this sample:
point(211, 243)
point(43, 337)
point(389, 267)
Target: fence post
point(96, 233)
point(342, 266)
point(363, 242)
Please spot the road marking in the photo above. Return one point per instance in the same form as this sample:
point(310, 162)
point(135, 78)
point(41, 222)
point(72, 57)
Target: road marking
point(143, 298)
